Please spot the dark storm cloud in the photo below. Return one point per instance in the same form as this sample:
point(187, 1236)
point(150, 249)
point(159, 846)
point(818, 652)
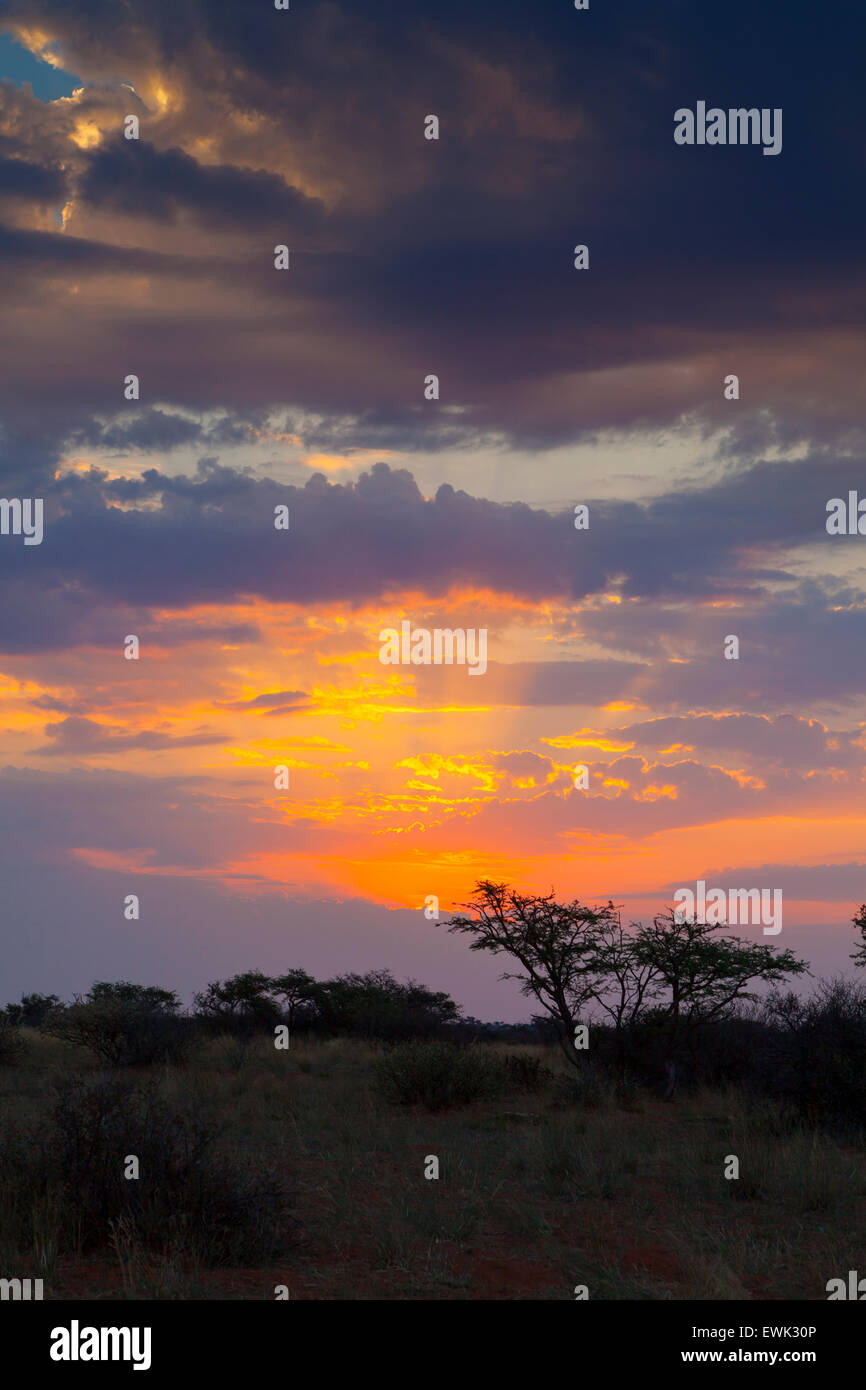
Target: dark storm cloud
point(54, 610)
point(210, 539)
point(215, 537)
point(732, 535)
point(28, 454)
point(153, 429)
point(51, 252)
point(456, 256)
point(380, 532)
point(452, 257)
point(134, 178)
point(21, 179)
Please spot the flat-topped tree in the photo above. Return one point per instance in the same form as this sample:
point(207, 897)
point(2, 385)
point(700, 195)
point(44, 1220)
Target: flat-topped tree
point(704, 974)
point(241, 1002)
point(126, 992)
point(554, 942)
point(293, 989)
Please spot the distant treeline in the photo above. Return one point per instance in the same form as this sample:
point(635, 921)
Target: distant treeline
point(666, 1005)
point(375, 1006)
point(810, 1051)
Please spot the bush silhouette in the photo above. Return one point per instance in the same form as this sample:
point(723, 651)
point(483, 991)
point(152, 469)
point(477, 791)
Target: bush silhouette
point(438, 1075)
point(186, 1197)
point(12, 1046)
point(523, 1072)
point(125, 1025)
point(31, 1010)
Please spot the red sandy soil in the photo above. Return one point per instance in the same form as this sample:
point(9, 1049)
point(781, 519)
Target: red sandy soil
point(493, 1265)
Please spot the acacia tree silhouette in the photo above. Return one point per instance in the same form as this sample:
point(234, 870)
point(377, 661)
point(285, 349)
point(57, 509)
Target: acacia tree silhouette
point(554, 942)
point(705, 974)
point(573, 955)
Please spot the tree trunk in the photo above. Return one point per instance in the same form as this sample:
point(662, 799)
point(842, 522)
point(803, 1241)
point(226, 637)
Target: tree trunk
point(567, 1045)
point(671, 1073)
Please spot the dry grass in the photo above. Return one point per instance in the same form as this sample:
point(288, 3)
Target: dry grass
point(534, 1197)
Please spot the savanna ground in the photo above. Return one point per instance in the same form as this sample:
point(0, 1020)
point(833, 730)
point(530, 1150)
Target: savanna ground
point(539, 1191)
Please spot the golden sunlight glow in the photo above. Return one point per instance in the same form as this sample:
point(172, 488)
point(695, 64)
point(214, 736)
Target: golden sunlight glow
point(86, 133)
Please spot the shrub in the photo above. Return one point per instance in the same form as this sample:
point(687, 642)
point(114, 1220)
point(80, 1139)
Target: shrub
point(589, 1088)
point(437, 1075)
point(377, 1006)
point(524, 1072)
point(32, 1009)
point(817, 1055)
point(12, 1045)
point(125, 992)
point(187, 1198)
point(241, 1006)
point(123, 1032)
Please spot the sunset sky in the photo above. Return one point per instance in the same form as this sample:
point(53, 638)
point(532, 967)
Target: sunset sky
point(305, 388)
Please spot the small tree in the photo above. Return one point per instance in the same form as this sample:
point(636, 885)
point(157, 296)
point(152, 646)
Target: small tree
point(295, 988)
point(555, 943)
point(817, 1050)
point(240, 1004)
point(31, 1010)
point(151, 997)
point(124, 1024)
point(12, 1046)
point(376, 1005)
point(705, 974)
